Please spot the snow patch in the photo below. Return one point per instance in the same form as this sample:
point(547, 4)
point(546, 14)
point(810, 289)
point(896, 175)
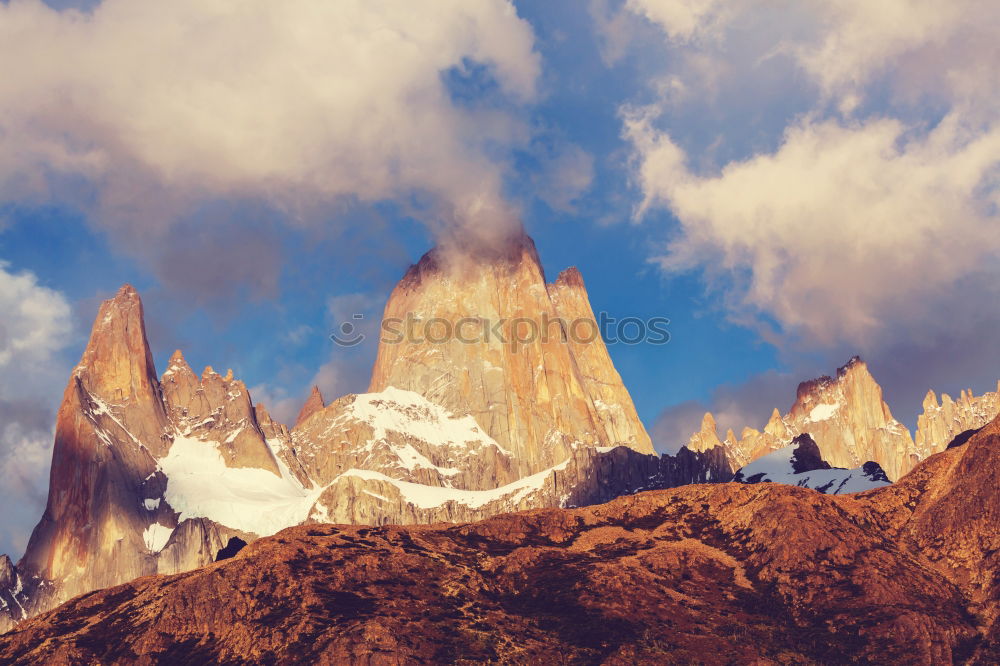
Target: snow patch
point(99, 408)
point(822, 412)
point(375, 495)
point(776, 467)
point(200, 485)
point(429, 497)
point(156, 536)
point(415, 418)
point(151, 504)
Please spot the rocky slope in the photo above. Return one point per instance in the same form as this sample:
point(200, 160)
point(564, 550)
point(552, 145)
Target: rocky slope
point(801, 464)
point(712, 574)
point(158, 475)
point(846, 416)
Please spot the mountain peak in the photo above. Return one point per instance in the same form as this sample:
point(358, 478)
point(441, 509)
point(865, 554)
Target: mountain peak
point(930, 400)
point(7, 572)
point(313, 404)
point(453, 259)
point(854, 363)
point(538, 397)
point(127, 292)
point(776, 426)
point(117, 364)
point(570, 277)
point(707, 436)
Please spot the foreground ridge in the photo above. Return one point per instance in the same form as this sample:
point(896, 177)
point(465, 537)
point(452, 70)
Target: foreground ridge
point(716, 574)
point(163, 475)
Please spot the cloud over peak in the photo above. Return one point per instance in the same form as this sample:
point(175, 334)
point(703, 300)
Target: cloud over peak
point(159, 107)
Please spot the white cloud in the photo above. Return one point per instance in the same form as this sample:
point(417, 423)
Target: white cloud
point(35, 326)
point(681, 20)
point(160, 105)
point(877, 201)
point(36, 323)
point(843, 45)
point(840, 230)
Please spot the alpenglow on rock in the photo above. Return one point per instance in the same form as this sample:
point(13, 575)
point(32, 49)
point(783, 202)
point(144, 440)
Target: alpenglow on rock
point(942, 422)
point(846, 416)
point(800, 464)
point(537, 399)
point(160, 475)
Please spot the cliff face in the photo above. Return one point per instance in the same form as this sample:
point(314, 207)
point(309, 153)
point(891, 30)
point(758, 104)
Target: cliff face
point(158, 476)
point(851, 422)
point(941, 422)
point(109, 427)
point(801, 464)
point(714, 574)
point(524, 359)
point(106, 520)
point(846, 416)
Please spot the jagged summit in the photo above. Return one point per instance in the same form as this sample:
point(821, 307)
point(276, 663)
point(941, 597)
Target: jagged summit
point(117, 365)
point(538, 392)
point(725, 573)
point(942, 421)
point(570, 277)
point(846, 415)
point(313, 404)
point(454, 260)
point(158, 475)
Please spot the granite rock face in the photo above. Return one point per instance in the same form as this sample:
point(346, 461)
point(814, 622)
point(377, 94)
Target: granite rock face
point(847, 417)
point(160, 475)
point(216, 408)
point(800, 464)
point(711, 574)
point(313, 404)
point(942, 421)
point(523, 358)
point(110, 426)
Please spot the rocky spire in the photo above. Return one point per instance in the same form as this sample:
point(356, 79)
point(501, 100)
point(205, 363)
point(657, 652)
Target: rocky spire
point(216, 408)
point(313, 404)
point(845, 415)
point(851, 422)
point(940, 423)
point(7, 572)
point(601, 382)
point(109, 427)
point(537, 388)
point(776, 426)
point(117, 369)
point(707, 436)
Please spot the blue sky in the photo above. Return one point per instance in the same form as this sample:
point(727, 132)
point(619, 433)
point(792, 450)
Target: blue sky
point(789, 183)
